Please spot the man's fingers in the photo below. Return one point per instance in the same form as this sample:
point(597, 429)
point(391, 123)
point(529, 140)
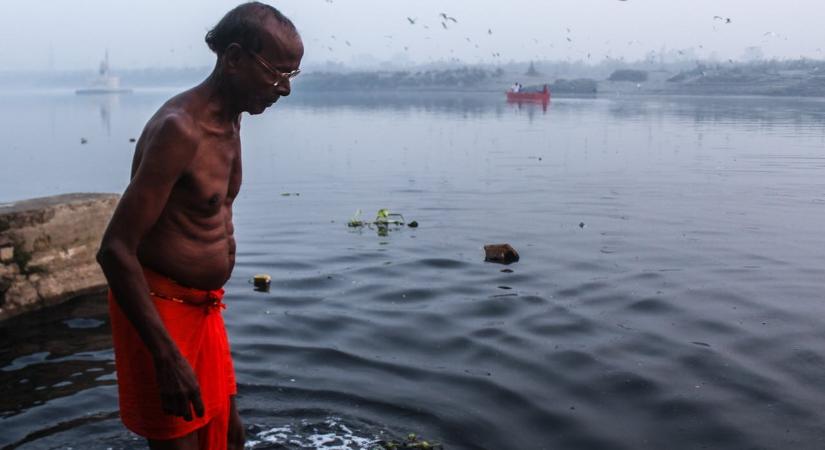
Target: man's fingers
point(181, 408)
point(197, 403)
point(167, 403)
point(175, 405)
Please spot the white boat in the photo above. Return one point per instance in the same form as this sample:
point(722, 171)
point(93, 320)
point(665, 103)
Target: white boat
point(105, 83)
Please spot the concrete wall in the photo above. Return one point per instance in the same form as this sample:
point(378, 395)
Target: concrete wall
point(48, 247)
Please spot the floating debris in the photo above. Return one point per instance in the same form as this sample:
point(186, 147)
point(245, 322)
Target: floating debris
point(412, 442)
point(262, 282)
point(383, 220)
point(287, 194)
point(581, 224)
point(500, 253)
point(83, 140)
point(132, 140)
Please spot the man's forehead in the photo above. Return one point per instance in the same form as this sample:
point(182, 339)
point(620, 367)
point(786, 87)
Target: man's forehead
point(281, 41)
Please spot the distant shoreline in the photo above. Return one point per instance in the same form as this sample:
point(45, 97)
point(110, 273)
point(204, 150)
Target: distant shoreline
point(772, 78)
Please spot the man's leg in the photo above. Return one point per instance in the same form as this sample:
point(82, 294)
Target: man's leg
point(235, 431)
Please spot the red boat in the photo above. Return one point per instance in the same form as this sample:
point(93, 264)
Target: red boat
point(542, 96)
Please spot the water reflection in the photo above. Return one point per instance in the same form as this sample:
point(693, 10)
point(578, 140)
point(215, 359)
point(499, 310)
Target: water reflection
point(105, 104)
point(529, 103)
point(54, 353)
point(749, 110)
point(473, 103)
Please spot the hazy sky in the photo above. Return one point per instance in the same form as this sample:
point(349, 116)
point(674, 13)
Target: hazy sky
point(73, 34)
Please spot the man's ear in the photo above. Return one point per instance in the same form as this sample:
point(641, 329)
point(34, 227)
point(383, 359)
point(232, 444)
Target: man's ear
point(232, 57)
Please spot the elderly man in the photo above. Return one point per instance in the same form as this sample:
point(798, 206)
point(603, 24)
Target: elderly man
point(169, 247)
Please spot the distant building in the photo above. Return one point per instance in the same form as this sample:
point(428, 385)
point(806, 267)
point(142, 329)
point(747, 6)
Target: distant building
point(531, 71)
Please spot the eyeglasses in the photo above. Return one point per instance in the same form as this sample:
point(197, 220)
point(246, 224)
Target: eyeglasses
point(279, 76)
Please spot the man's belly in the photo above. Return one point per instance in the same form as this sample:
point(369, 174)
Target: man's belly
point(191, 263)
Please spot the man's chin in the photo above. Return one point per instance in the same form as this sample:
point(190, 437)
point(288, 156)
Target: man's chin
point(259, 108)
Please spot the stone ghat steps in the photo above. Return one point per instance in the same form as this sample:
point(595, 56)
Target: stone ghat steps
point(48, 247)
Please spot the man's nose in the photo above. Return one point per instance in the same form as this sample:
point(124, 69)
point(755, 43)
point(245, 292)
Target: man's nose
point(284, 87)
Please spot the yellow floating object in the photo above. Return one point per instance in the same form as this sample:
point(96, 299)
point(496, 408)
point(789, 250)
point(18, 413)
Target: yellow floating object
point(262, 280)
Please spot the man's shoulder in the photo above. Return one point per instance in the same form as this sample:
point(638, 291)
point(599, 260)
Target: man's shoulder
point(172, 122)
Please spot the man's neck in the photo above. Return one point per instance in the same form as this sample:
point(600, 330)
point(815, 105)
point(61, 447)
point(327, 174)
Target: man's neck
point(218, 99)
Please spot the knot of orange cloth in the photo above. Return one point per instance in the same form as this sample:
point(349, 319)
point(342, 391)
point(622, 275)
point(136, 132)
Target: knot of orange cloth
point(216, 304)
point(168, 289)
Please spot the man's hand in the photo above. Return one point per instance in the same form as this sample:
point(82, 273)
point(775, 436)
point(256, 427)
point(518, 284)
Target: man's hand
point(236, 437)
point(179, 390)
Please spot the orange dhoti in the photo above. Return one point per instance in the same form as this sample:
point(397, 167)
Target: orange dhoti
point(193, 320)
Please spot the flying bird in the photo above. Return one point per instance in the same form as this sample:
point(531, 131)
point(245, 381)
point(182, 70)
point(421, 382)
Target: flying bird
point(446, 18)
point(411, 20)
point(444, 24)
point(723, 19)
point(489, 31)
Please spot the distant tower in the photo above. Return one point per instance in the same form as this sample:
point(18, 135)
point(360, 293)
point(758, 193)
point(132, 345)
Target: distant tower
point(105, 83)
point(531, 71)
point(104, 65)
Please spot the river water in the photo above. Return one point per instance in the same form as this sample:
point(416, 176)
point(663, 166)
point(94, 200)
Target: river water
point(669, 292)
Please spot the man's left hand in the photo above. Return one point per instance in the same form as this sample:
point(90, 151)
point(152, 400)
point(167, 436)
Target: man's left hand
point(236, 437)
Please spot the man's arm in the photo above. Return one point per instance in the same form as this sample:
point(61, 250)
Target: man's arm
point(166, 156)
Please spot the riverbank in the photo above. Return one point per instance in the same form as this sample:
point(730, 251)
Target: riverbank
point(802, 80)
point(47, 250)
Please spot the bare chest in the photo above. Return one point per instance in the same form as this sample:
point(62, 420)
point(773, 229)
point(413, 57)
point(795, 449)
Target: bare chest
point(213, 179)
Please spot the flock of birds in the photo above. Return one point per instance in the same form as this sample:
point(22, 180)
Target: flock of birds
point(447, 22)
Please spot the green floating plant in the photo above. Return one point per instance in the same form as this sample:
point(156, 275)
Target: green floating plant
point(383, 219)
point(356, 221)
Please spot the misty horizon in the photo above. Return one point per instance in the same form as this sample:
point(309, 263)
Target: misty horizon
point(367, 35)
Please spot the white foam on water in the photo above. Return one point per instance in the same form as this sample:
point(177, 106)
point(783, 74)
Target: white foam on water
point(337, 437)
